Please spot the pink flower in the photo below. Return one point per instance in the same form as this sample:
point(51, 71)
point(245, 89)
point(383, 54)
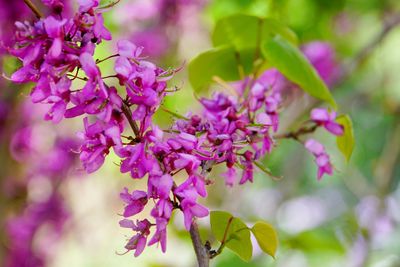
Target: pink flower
point(86, 5)
point(162, 209)
point(135, 201)
point(127, 49)
point(230, 176)
point(160, 236)
point(322, 117)
point(321, 157)
point(189, 204)
point(138, 163)
point(138, 241)
point(192, 209)
point(322, 57)
point(248, 167)
point(54, 30)
point(98, 138)
point(160, 186)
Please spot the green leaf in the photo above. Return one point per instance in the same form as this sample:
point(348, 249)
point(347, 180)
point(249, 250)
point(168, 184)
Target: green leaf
point(219, 221)
point(266, 170)
point(224, 62)
point(318, 240)
point(233, 232)
point(175, 114)
point(293, 64)
point(266, 236)
point(345, 142)
point(246, 30)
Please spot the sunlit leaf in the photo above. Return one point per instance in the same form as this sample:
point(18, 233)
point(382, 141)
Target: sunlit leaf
point(233, 232)
point(219, 221)
point(245, 30)
point(266, 236)
point(345, 142)
point(293, 64)
point(224, 62)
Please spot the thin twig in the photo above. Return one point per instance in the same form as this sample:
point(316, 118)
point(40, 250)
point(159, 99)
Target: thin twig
point(77, 77)
point(296, 134)
point(34, 9)
point(128, 114)
point(109, 76)
point(104, 59)
point(111, 4)
point(176, 115)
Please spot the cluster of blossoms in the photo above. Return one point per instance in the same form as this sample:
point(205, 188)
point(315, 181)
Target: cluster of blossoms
point(326, 119)
point(15, 10)
point(234, 130)
point(51, 48)
point(322, 56)
point(53, 51)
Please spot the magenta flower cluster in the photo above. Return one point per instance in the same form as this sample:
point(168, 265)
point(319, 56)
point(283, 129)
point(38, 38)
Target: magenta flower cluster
point(234, 130)
point(323, 117)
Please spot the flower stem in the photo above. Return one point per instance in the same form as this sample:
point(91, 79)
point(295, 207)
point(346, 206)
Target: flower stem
point(34, 9)
point(128, 114)
point(104, 59)
point(296, 134)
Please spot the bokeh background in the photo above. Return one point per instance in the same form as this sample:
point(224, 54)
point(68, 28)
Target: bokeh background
point(350, 219)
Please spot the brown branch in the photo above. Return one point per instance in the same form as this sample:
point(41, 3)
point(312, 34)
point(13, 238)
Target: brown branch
point(296, 134)
point(109, 76)
point(128, 114)
point(75, 76)
point(202, 250)
point(104, 59)
point(202, 253)
point(34, 9)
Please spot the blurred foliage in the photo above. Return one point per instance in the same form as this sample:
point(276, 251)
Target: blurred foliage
point(370, 95)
